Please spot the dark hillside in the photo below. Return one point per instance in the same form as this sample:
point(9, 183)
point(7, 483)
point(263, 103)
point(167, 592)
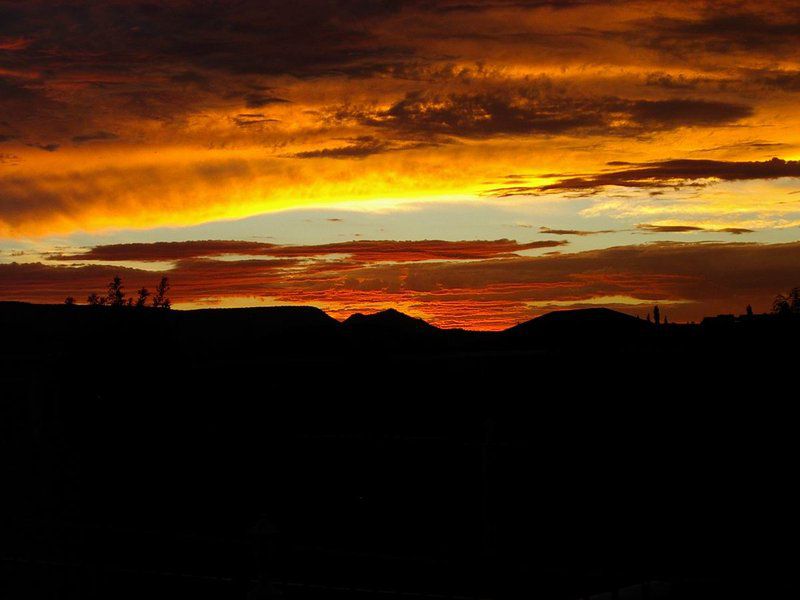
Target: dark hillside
point(480, 465)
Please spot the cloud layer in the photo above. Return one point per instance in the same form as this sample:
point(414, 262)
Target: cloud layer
point(124, 114)
point(612, 122)
point(479, 285)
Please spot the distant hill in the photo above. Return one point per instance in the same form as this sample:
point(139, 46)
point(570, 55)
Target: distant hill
point(232, 334)
point(388, 322)
point(587, 319)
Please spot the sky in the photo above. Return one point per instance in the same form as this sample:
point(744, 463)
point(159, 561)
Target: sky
point(474, 163)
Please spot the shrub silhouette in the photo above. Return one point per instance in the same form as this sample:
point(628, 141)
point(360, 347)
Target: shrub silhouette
point(787, 305)
point(160, 299)
point(141, 299)
point(116, 297)
point(95, 300)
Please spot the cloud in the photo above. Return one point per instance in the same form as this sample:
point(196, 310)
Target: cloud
point(696, 279)
point(249, 119)
point(720, 31)
point(230, 110)
point(535, 109)
point(14, 44)
point(734, 230)
point(45, 147)
point(361, 250)
point(262, 100)
point(362, 147)
point(648, 228)
point(165, 251)
point(94, 137)
point(578, 232)
point(668, 228)
point(672, 82)
point(356, 148)
point(668, 114)
point(672, 173)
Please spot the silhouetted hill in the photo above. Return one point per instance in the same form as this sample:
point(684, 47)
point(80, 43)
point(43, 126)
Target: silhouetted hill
point(388, 321)
point(271, 319)
point(300, 330)
point(591, 319)
point(586, 315)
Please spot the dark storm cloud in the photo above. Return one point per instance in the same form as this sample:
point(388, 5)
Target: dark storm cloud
point(720, 31)
point(578, 232)
point(248, 119)
point(357, 148)
point(533, 110)
point(671, 173)
point(302, 38)
point(61, 61)
point(746, 145)
point(672, 82)
point(784, 80)
point(96, 136)
point(362, 147)
point(668, 114)
point(262, 100)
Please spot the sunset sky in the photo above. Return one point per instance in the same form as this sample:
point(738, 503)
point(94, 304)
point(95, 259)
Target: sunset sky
point(474, 163)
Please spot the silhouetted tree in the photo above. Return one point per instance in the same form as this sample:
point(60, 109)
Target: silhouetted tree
point(657, 315)
point(141, 299)
point(160, 299)
point(95, 300)
point(749, 310)
point(787, 305)
point(116, 297)
point(794, 300)
point(69, 301)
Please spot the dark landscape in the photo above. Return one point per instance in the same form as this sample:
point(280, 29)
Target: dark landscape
point(279, 452)
point(399, 299)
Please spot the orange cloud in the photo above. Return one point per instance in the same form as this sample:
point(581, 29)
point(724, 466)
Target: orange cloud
point(693, 279)
point(364, 250)
point(175, 117)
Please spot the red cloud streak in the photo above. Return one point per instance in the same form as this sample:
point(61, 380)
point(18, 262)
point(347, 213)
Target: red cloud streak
point(692, 279)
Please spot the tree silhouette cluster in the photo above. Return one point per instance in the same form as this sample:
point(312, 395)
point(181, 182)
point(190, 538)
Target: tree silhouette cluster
point(787, 305)
point(115, 296)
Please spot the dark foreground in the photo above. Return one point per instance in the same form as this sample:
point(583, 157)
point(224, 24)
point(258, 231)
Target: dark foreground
point(216, 454)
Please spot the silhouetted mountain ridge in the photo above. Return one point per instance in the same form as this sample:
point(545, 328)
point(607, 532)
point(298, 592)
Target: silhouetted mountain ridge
point(585, 321)
point(388, 321)
point(303, 330)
